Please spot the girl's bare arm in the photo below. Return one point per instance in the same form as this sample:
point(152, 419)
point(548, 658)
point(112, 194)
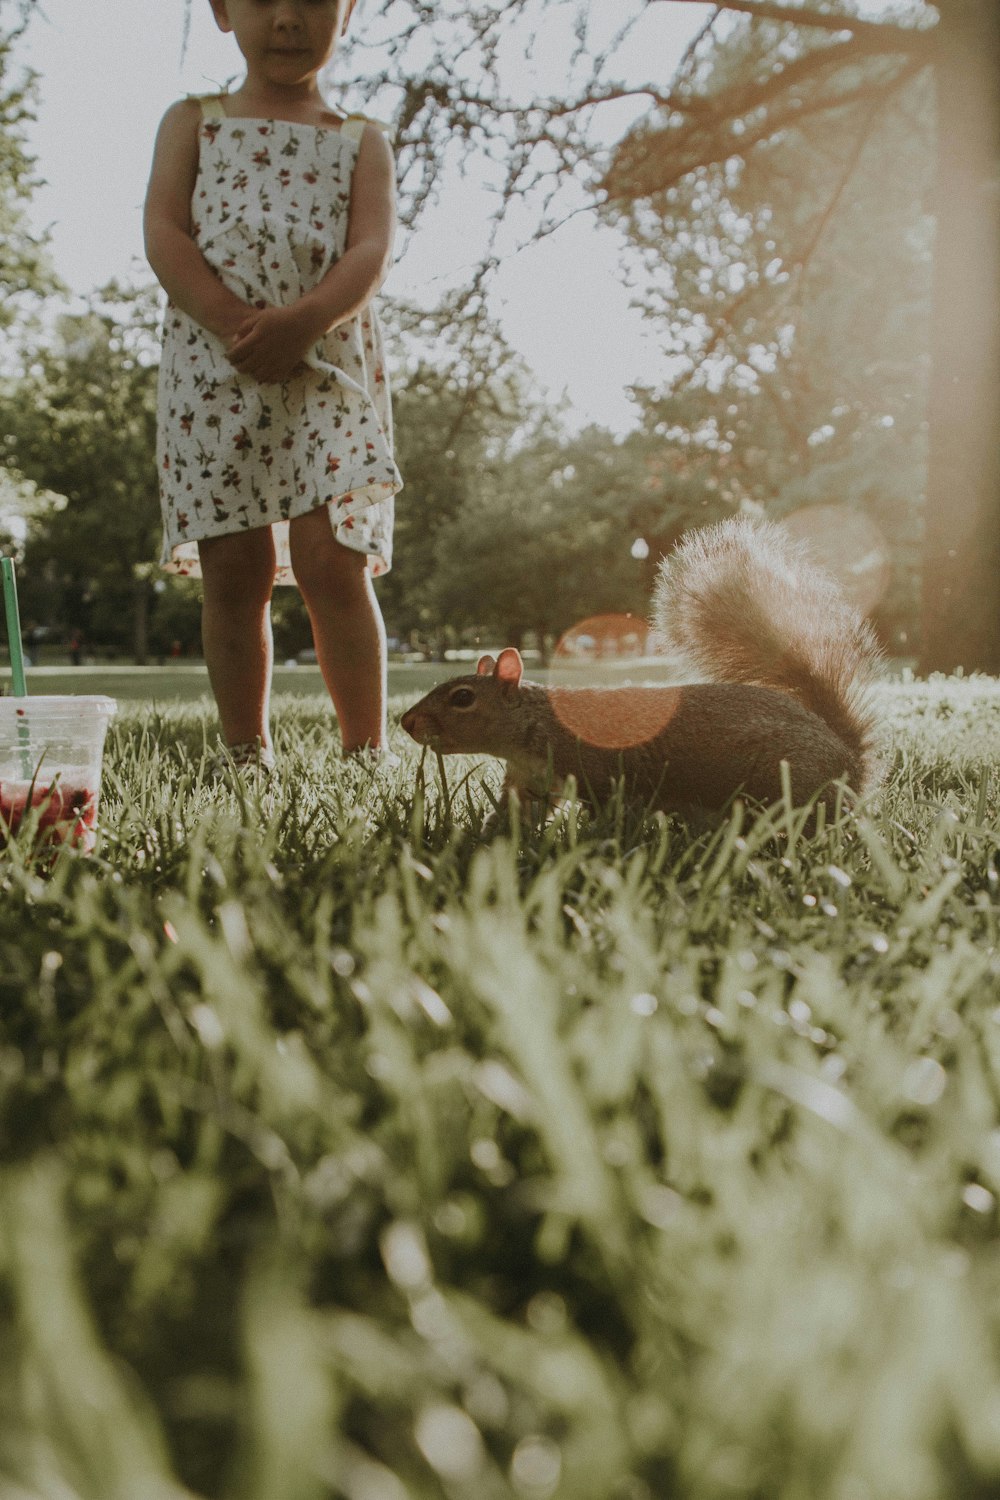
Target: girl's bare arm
point(350, 285)
point(271, 342)
point(179, 265)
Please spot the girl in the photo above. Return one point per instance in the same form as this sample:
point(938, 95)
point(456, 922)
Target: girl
point(269, 222)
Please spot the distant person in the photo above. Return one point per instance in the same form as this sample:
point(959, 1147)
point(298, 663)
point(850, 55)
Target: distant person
point(76, 649)
point(33, 637)
point(269, 220)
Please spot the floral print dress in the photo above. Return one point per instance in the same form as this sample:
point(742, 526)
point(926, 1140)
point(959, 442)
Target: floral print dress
point(269, 214)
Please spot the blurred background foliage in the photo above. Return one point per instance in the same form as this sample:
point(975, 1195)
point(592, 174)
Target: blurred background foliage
point(775, 203)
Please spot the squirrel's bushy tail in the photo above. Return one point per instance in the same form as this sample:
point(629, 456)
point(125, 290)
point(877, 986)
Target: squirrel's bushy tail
point(742, 602)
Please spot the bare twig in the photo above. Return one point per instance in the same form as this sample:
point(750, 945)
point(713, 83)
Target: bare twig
point(634, 179)
point(902, 38)
point(872, 115)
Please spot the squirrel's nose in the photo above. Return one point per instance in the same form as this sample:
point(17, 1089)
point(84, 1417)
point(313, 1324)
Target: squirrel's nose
point(409, 722)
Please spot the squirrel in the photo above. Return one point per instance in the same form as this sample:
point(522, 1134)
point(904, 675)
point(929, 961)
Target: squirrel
point(789, 663)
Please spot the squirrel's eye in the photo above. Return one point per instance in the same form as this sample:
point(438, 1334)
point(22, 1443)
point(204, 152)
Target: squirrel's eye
point(463, 698)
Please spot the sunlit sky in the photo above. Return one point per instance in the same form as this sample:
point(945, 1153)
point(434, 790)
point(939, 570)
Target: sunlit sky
point(108, 70)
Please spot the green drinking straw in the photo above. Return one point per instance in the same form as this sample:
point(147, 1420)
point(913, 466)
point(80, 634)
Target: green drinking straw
point(13, 628)
point(16, 656)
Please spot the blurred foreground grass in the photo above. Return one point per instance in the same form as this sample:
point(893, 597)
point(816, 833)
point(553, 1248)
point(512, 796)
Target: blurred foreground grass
point(350, 1149)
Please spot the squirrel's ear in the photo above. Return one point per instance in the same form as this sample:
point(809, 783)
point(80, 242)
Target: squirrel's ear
point(486, 665)
point(509, 666)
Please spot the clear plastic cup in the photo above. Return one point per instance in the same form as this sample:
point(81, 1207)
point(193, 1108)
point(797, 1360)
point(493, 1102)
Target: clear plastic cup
point(51, 749)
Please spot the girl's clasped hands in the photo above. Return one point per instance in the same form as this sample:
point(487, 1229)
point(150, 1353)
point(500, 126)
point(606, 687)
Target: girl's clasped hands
point(271, 343)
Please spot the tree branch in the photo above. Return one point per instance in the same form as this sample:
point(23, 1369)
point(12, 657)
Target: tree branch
point(768, 10)
point(805, 255)
point(736, 102)
point(633, 179)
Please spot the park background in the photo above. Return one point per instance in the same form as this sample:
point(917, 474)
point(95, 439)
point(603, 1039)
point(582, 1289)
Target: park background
point(617, 313)
point(357, 1143)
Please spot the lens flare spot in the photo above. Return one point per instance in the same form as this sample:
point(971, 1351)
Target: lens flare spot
point(611, 718)
point(604, 637)
point(849, 545)
point(615, 718)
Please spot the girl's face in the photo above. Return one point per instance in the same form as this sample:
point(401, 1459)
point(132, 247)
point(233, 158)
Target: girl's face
point(284, 41)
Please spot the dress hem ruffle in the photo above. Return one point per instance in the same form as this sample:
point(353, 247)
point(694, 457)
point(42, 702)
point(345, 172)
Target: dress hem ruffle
point(180, 555)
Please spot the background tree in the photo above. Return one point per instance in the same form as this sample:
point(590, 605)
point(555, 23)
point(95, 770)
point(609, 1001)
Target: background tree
point(25, 268)
point(26, 272)
point(793, 287)
point(546, 540)
point(962, 553)
point(449, 82)
point(79, 420)
point(857, 84)
point(461, 398)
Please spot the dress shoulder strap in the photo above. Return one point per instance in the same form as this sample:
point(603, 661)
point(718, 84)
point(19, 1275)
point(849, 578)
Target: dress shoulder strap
point(354, 128)
point(210, 106)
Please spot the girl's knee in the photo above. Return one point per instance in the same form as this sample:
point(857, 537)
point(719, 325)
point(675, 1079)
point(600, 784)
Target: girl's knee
point(320, 563)
point(238, 570)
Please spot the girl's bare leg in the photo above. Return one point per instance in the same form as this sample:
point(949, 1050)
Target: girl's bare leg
point(238, 576)
point(347, 627)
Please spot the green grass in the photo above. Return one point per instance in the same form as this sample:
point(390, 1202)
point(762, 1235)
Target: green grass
point(187, 681)
point(354, 1149)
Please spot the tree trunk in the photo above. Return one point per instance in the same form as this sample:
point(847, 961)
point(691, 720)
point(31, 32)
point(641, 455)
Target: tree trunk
point(140, 621)
point(961, 574)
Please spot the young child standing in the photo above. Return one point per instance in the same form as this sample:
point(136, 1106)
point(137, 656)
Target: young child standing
point(269, 222)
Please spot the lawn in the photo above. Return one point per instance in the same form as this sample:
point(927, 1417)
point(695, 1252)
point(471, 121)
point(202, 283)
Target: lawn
point(187, 681)
point(352, 1148)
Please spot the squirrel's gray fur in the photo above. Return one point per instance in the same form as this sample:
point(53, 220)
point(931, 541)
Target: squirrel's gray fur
point(788, 663)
